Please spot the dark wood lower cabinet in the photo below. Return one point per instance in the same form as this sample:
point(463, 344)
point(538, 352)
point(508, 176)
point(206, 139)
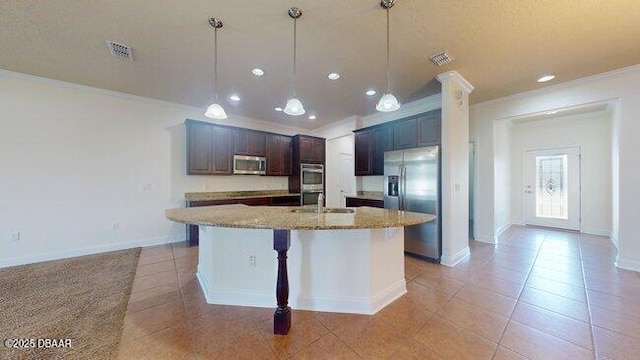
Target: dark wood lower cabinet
point(193, 231)
point(357, 202)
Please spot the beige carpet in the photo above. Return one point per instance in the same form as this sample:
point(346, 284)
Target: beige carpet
point(83, 299)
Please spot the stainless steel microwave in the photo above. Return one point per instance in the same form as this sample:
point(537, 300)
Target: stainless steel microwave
point(249, 165)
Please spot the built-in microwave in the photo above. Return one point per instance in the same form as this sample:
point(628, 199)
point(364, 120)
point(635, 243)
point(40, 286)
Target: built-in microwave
point(311, 177)
point(251, 165)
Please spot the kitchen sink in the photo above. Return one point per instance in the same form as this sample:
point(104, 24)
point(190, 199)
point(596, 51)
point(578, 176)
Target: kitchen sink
point(324, 210)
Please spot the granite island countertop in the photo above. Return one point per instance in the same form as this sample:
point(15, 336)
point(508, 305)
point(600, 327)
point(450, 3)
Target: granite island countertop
point(367, 195)
point(224, 195)
point(284, 217)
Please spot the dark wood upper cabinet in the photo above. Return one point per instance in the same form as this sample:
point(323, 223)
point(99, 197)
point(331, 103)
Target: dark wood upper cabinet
point(363, 153)
point(372, 142)
point(208, 149)
point(311, 149)
point(278, 149)
point(405, 134)
point(199, 149)
point(429, 131)
point(249, 143)
point(382, 141)
point(222, 156)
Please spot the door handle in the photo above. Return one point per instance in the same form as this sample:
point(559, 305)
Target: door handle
point(400, 204)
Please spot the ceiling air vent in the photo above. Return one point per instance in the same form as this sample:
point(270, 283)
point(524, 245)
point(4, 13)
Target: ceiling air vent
point(441, 58)
point(120, 50)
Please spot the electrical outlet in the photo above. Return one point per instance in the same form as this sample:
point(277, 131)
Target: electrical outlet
point(252, 261)
point(116, 226)
point(15, 236)
point(147, 186)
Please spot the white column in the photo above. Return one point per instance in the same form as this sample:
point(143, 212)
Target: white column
point(455, 167)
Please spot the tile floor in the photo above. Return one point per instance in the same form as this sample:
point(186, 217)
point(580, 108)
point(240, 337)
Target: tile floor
point(539, 294)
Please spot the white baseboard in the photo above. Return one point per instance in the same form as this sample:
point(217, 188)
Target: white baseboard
point(487, 239)
point(627, 264)
point(599, 232)
point(342, 304)
point(15, 261)
point(453, 260)
point(500, 231)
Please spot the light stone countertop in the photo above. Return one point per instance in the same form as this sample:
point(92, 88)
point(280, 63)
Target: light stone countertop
point(282, 217)
point(224, 195)
point(368, 195)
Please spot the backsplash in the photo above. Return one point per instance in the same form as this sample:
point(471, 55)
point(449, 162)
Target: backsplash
point(369, 183)
point(195, 183)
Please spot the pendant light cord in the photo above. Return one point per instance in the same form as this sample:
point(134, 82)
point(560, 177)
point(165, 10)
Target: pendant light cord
point(215, 63)
point(295, 20)
point(388, 56)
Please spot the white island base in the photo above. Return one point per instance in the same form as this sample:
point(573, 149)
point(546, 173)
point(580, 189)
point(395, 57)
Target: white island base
point(349, 271)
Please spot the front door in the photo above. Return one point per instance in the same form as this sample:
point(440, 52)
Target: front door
point(552, 188)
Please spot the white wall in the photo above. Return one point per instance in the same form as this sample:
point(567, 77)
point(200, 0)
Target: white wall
point(502, 178)
point(592, 133)
point(619, 88)
point(75, 161)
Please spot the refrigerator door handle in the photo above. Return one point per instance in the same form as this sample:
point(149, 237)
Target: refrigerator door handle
point(404, 186)
point(400, 202)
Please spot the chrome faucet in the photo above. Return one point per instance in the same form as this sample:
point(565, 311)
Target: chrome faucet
point(320, 203)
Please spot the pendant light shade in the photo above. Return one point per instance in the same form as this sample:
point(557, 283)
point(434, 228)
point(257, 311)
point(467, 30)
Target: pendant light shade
point(294, 106)
point(388, 102)
point(215, 110)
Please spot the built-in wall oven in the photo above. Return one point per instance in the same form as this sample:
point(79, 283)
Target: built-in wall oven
point(311, 183)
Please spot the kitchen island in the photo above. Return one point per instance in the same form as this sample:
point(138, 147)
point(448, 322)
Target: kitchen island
point(343, 260)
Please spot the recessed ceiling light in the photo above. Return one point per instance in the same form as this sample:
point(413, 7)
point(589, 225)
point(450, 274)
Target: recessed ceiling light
point(234, 98)
point(370, 92)
point(312, 117)
point(257, 72)
point(334, 76)
point(278, 109)
point(546, 78)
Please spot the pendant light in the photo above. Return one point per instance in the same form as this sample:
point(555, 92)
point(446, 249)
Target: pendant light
point(388, 102)
point(215, 110)
point(294, 106)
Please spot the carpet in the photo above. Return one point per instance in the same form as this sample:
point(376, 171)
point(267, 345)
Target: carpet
point(78, 304)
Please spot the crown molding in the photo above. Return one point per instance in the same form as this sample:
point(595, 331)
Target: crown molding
point(454, 75)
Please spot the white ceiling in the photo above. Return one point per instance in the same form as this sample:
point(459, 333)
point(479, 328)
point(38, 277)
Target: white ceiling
point(500, 46)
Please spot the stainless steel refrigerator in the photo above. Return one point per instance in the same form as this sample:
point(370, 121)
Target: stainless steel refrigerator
point(412, 183)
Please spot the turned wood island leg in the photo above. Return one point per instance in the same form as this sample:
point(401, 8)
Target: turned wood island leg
point(282, 315)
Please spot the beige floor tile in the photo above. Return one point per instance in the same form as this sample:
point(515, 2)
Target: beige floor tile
point(454, 342)
point(305, 329)
point(502, 273)
point(502, 353)
point(615, 321)
point(550, 274)
point(170, 343)
point(566, 268)
point(335, 321)
point(329, 347)
point(167, 279)
point(512, 265)
point(431, 300)
point(155, 268)
point(154, 256)
point(411, 349)
point(536, 344)
point(475, 319)
point(500, 286)
point(556, 303)
point(406, 315)
point(156, 296)
point(618, 304)
point(561, 326)
point(150, 320)
point(373, 339)
point(614, 345)
point(488, 300)
point(555, 287)
point(439, 283)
